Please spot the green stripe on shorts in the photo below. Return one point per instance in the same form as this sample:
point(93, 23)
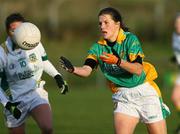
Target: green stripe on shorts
point(164, 109)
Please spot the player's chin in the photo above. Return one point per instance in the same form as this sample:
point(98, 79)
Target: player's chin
point(106, 37)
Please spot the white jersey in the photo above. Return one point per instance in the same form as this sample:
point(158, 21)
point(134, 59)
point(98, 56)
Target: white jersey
point(176, 42)
point(22, 69)
point(176, 46)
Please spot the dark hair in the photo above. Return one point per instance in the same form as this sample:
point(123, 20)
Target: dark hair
point(116, 16)
point(13, 18)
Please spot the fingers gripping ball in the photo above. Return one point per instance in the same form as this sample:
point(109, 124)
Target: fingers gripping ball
point(27, 36)
point(66, 64)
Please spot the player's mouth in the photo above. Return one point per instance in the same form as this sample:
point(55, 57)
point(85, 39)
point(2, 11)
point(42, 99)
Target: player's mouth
point(104, 33)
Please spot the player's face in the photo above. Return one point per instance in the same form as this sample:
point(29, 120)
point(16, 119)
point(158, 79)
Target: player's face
point(13, 26)
point(177, 25)
point(109, 28)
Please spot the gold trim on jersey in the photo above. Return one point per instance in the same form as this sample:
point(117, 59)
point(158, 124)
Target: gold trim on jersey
point(133, 56)
point(92, 56)
point(112, 87)
point(150, 71)
point(155, 86)
point(151, 75)
point(121, 37)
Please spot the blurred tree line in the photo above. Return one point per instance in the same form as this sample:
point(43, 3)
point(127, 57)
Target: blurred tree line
point(69, 19)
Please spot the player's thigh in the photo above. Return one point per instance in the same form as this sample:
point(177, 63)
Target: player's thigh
point(157, 127)
point(124, 124)
point(17, 130)
point(43, 116)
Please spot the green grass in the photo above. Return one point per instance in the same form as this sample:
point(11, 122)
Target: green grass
point(87, 108)
point(84, 111)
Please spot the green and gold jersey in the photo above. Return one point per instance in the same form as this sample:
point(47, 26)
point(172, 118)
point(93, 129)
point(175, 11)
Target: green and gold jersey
point(128, 48)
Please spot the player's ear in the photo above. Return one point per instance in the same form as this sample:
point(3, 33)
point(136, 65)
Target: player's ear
point(118, 23)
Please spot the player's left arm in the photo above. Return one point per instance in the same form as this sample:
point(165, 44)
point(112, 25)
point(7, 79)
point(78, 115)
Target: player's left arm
point(135, 56)
point(49, 68)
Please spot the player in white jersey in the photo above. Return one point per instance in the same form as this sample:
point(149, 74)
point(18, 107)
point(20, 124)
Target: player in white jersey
point(176, 39)
point(176, 49)
point(21, 84)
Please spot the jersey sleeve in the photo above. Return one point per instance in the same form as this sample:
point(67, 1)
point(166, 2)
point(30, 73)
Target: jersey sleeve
point(49, 68)
point(90, 62)
point(47, 65)
point(91, 59)
point(134, 49)
point(42, 52)
point(93, 53)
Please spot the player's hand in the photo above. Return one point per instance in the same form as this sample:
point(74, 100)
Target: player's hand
point(12, 107)
point(110, 58)
point(62, 84)
point(66, 64)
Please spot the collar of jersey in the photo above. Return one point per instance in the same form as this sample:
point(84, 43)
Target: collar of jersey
point(121, 37)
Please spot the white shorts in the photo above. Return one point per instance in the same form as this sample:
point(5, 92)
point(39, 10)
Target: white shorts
point(142, 102)
point(177, 57)
point(28, 103)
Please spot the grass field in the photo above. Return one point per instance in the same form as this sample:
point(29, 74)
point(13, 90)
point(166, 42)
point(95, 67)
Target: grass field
point(87, 109)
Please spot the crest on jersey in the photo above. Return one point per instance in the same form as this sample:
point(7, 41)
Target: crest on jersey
point(32, 57)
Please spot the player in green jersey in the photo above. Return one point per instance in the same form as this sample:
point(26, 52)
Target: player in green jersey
point(119, 55)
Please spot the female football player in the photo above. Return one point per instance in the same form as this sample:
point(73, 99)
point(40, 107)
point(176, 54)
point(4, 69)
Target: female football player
point(21, 72)
point(119, 55)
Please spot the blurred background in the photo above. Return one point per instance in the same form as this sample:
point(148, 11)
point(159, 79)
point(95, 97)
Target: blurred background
point(69, 27)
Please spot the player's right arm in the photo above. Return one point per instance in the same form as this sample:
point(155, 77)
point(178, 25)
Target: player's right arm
point(3, 98)
point(11, 107)
point(83, 71)
point(89, 64)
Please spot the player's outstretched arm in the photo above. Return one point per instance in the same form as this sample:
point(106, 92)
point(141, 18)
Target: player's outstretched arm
point(83, 71)
point(51, 70)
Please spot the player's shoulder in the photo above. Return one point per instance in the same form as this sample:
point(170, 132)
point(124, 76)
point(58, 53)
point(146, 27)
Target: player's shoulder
point(96, 45)
point(38, 47)
point(131, 36)
point(3, 52)
point(3, 48)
